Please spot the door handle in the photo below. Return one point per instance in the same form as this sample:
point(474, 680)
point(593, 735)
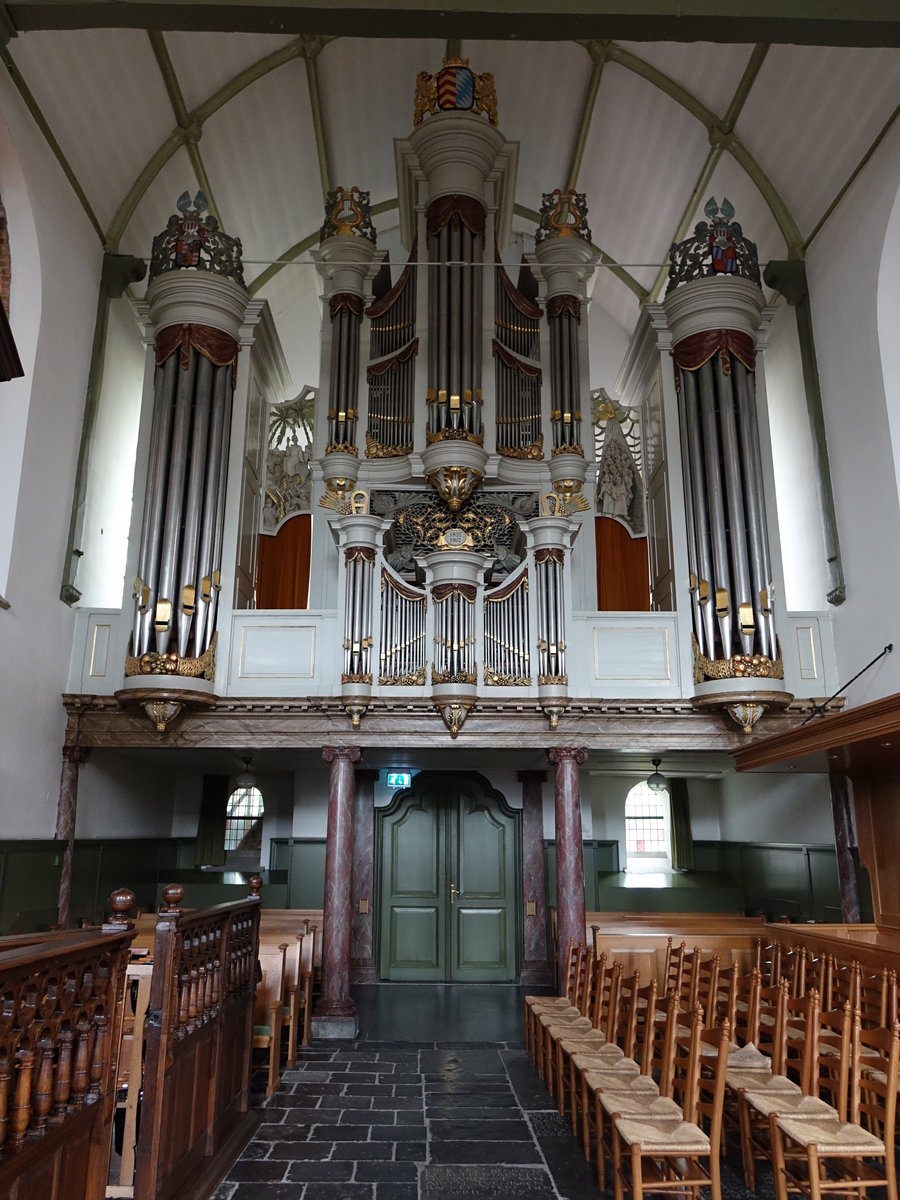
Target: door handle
point(454, 892)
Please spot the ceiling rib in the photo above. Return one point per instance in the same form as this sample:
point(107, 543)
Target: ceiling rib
point(315, 104)
point(720, 138)
point(879, 138)
point(738, 100)
point(192, 130)
point(598, 52)
point(200, 115)
point(41, 121)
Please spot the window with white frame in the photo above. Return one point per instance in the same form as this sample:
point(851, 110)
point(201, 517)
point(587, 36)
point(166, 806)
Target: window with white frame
point(243, 819)
point(646, 827)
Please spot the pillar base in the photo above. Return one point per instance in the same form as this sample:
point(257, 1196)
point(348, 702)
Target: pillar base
point(331, 1028)
point(536, 973)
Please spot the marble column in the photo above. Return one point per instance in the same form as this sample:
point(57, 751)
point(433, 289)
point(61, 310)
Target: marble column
point(362, 963)
point(72, 758)
point(843, 841)
point(569, 850)
point(535, 965)
point(335, 1013)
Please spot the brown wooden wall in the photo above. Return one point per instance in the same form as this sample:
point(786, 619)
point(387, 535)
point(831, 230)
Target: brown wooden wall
point(623, 569)
point(282, 569)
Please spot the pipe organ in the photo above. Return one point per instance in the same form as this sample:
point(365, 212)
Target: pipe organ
point(196, 306)
point(455, 528)
point(713, 308)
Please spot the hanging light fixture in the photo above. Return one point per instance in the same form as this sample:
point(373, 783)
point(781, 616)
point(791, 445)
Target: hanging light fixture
point(657, 782)
point(246, 779)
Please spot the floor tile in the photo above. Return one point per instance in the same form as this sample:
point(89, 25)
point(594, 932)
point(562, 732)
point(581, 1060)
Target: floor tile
point(440, 1116)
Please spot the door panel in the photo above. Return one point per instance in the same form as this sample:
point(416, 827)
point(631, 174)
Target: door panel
point(449, 872)
point(412, 915)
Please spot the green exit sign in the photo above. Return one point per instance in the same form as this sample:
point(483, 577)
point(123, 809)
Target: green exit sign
point(398, 779)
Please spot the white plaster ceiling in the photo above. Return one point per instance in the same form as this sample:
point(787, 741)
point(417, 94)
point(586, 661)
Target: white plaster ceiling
point(780, 131)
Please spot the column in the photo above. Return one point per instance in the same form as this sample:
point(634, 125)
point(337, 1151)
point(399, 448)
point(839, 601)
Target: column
point(535, 967)
point(335, 1014)
point(843, 840)
point(72, 758)
point(569, 852)
point(362, 962)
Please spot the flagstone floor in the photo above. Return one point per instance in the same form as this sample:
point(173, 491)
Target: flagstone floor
point(398, 1115)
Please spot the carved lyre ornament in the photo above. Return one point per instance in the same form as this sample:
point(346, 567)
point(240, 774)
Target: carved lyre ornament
point(563, 214)
point(347, 214)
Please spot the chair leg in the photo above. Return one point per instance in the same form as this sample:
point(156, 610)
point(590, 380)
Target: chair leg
point(778, 1167)
point(637, 1177)
point(815, 1179)
point(746, 1144)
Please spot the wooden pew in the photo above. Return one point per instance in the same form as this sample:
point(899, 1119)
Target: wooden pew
point(640, 941)
point(59, 1034)
point(195, 1115)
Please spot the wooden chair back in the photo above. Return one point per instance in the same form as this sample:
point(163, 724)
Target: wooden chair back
point(658, 1057)
point(723, 999)
point(600, 991)
point(707, 1106)
point(797, 1052)
point(686, 1062)
point(833, 1057)
point(613, 1001)
point(268, 1010)
point(625, 1033)
point(673, 970)
point(646, 1007)
point(873, 1088)
point(704, 984)
point(747, 1006)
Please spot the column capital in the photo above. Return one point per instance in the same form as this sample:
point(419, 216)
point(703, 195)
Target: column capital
point(557, 754)
point(531, 776)
point(351, 753)
point(76, 754)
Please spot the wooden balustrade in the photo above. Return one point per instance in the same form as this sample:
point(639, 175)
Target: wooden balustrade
point(194, 1116)
point(60, 1018)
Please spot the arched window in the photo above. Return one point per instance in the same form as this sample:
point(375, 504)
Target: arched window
point(646, 828)
point(243, 820)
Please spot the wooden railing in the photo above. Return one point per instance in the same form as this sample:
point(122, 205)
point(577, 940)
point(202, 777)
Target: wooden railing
point(194, 1114)
point(60, 1019)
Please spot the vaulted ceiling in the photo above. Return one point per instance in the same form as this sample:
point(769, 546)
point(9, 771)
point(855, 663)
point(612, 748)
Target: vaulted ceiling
point(265, 123)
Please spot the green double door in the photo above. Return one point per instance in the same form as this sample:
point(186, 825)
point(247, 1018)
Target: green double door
point(449, 871)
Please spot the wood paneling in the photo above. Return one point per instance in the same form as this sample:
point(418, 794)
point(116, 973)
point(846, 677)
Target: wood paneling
point(623, 572)
point(282, 567)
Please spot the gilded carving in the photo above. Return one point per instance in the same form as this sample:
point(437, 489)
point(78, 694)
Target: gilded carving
point(414, 679)
point(152, 663)
point(739, 666)
point(531, 453)
point(494, 679)
point(375, 449)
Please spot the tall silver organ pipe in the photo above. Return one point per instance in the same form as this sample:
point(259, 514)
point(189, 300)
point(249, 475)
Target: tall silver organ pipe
point(549, 566)
point(390, 374)
point(359, 562)
point(403, 652)
point(516, 350)
point(454, 633)
point(456, 245)
point(506, 632)
point(563, 317)
point(184, 505)
point(728, 549)
point(346, 318)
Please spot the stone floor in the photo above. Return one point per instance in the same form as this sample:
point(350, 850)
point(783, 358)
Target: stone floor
point(450, 1116)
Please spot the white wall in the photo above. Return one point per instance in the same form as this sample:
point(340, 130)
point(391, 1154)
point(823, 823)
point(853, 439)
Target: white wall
point(799, 520)
point(36, 633)
point(101, 570)
point(843, 266)
point(311, 803)
point(124, 797)
point(776, 807)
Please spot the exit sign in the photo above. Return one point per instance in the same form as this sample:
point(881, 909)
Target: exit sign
point(398, 779)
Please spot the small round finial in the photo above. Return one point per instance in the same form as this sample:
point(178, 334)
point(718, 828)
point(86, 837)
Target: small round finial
point(121, 901)
point(173, 894)
point(254, 883)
